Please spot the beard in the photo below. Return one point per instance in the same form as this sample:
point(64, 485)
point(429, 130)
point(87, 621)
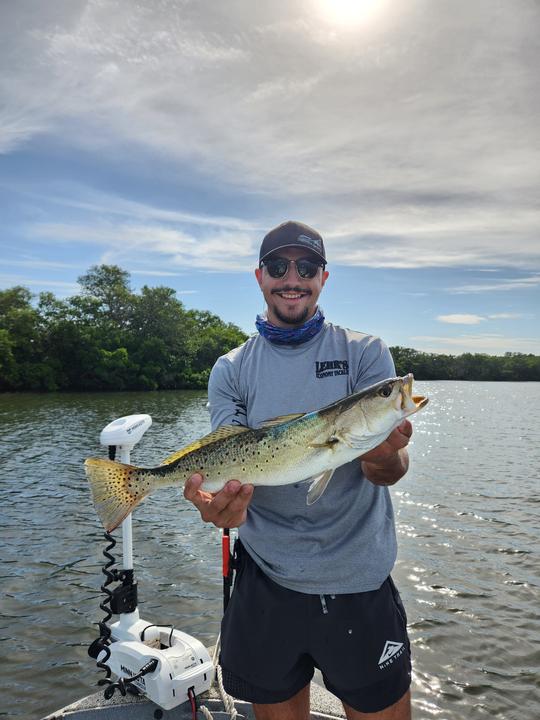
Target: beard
point(301, 314)
point(298, 319)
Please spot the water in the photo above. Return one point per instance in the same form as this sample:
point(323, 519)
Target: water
point(468, 525)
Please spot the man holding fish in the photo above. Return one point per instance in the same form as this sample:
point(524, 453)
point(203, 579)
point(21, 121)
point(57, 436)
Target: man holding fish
point(314, 586)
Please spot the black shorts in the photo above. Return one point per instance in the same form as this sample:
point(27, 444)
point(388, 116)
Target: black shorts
point(272, 638)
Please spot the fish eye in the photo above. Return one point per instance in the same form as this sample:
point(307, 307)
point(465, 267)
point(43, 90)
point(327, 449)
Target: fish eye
point(385, 391)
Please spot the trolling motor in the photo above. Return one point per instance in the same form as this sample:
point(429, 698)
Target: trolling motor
point(167, 665)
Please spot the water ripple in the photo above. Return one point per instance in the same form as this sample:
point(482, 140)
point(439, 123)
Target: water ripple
point(467, 519)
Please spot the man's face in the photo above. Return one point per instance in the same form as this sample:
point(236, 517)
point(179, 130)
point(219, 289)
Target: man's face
point(291, 300)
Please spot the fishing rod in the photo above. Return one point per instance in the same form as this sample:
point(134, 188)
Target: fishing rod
point(227, 566)
point(167, 665)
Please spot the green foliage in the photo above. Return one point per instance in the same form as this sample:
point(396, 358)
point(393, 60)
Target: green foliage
point(8, 364)
point(108, 338)
point(477, 366)
point(108, 286)
point(21, 341)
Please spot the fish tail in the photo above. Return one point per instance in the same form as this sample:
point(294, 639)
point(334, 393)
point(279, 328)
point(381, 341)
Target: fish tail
point(116, 489)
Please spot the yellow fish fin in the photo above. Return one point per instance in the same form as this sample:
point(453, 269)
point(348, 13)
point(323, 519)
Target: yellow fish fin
point(221, 433)
point(281, 419)
point(116, 489)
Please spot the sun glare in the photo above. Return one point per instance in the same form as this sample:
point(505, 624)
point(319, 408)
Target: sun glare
point(349, 13)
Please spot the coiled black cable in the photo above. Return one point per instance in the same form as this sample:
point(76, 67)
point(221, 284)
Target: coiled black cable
point(101, 644)
point(105, 605)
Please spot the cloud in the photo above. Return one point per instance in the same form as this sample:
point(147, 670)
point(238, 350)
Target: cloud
point(36, 264)
point(197, 239)
point(461, 319)
point(141, 236)
point(99, 203)
point(138, 246)
point(157, 273)
point(502, 285)
point(490, 344)
point(471, 319)
point(411, 142)
point(506, 316)
point(8, 280)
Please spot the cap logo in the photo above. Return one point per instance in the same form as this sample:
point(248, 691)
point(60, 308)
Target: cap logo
point(314, 242)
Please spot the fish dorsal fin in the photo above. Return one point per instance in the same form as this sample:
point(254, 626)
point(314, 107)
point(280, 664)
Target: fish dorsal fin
point(281, 419)
point(221, 433)
point(318, 486)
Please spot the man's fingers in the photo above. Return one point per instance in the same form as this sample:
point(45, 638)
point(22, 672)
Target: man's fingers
point(239, 502)
point(400, 436)
point(222, 499)
point(192, 487)
point(397, 440)
point(232, 520)
point(406, 428)
point(226, 508)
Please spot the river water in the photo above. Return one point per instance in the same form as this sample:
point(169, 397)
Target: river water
point(468, 527)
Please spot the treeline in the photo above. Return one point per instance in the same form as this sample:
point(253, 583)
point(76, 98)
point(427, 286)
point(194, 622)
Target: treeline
point(469, 366)
point(108, 338)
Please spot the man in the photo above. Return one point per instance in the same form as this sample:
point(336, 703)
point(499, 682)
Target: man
point(314, 586)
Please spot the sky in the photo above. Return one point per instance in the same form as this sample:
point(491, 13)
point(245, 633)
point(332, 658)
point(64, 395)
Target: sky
point(168, 136)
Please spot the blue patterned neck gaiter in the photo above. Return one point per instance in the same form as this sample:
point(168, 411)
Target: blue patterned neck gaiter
point(294, 336)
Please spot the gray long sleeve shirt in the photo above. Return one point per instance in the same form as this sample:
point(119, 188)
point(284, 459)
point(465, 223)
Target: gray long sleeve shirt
point(346, 541)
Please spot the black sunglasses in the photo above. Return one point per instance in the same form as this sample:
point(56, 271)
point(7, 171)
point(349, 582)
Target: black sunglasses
point(279, 267)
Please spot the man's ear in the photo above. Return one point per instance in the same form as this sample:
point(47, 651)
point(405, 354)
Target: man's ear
point(258, 275)
point(325, 275)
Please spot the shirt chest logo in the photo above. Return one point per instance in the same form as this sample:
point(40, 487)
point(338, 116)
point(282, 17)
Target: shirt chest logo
point(330, 368)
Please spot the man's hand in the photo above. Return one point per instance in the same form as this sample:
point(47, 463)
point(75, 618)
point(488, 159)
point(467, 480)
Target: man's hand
point(225, 509)
point(389, 461)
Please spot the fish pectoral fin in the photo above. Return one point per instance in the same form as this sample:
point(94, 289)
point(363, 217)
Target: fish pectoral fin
point(281, 419)
point(221, 433)
point(356, 442)
point(329, 444)
point(318, 486)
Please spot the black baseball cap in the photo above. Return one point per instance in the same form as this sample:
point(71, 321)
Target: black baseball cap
point(292, 234)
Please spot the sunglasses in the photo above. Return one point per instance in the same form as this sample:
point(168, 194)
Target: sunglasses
point(279, 267)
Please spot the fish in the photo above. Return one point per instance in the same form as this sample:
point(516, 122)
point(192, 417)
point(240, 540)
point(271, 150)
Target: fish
point(288, 449)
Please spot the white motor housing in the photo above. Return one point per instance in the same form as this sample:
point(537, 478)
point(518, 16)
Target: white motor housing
point(183, 663)
point(125, 431)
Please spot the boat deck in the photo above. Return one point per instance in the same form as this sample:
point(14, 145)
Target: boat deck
point(132, 707)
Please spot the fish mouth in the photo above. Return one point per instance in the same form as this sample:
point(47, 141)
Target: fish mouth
point(410, 403)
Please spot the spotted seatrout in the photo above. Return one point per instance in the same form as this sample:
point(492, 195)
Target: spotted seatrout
point(284, 450)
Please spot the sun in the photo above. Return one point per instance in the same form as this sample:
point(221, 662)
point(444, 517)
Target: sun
point(349, 13)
